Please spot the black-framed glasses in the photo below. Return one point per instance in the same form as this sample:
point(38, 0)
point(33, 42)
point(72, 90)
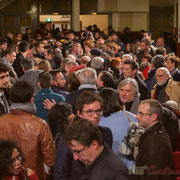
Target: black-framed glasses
point(92, 112)
point(18, 157)
point(143, 114)
point(79, 152)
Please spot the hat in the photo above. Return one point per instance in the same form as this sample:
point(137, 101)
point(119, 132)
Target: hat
point(96, 52)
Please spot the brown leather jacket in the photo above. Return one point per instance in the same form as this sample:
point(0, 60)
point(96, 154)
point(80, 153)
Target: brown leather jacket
point(34, 137)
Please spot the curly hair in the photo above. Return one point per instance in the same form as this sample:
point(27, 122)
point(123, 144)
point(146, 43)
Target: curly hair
point(6, 149)
point(58, 117)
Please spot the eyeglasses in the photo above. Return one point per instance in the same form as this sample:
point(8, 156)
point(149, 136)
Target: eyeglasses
point(143, 114)
point(13, 161)
point(160, 76)
point(91, 112)
point(79, 152)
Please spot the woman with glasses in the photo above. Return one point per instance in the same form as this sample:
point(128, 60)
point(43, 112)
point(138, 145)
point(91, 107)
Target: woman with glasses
point(11, 161)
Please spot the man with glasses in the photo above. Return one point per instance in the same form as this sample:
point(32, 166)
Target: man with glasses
point(154, 146)
point(4, 80)
point(86, 144)
point(89, 106)
point(165, 89)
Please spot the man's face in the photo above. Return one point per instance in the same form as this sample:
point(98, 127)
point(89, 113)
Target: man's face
point(160, 42)
point(82, 153)
point(145, 35)
point(99, 82)
point(128, 72)
point(48, 56)
point(126, 93)
point(29, 53)
point(41, 48)
point(91, 112)
point(11, 57)
point(161, 77)
point(19, 37)
point(60, 80)
point(144, 46)
point(16, 164)
point(4, 46)
point(143, 116)
point(170, 66)
point(4, 79)
point(71, 36)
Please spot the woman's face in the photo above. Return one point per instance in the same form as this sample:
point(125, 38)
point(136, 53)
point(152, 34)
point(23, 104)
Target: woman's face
point(16, 163)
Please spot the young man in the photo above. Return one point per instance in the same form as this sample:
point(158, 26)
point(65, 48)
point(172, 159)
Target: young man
point(58, 82)
point(44, 83)
point(4, 80)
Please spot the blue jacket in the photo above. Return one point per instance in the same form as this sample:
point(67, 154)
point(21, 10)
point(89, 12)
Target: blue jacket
point(39, 99)
point(119, 124)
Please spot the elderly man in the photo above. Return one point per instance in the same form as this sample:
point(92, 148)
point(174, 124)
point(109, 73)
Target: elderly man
point(86, 144)
point(155, 154)
point(129, 95)
point(87, 79)
point(166, 88)
point(98, 64)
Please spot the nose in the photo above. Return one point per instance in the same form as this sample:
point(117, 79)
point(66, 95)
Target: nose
point(75, 156)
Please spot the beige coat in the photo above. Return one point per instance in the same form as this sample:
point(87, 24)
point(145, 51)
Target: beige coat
point(172, 90)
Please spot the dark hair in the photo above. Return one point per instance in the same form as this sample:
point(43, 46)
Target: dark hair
point(4, 68)
point(6, 149)
point(132, 63)
point(148, 57)
point(54, 73)
point(83, 131)
point(160, 51)
point(110, 101)
point(87, 97)
point(147, 41)
point(27, 63)
point(50, 52)
point(173, 59)
point(108, 80)
point(2, 41)
point(23, 46)
point(58, 117)
point(148, 32)
point(73, 82)
point(22, 92)
point(10, 50)
point(45, 79)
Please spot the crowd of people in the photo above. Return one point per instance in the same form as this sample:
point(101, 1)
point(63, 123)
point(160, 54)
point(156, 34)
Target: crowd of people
point(69, 103)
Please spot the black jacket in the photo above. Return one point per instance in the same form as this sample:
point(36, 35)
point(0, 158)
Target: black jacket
point(107, 166)
point(71, 98)
point(155, 153)
point(170, 122)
